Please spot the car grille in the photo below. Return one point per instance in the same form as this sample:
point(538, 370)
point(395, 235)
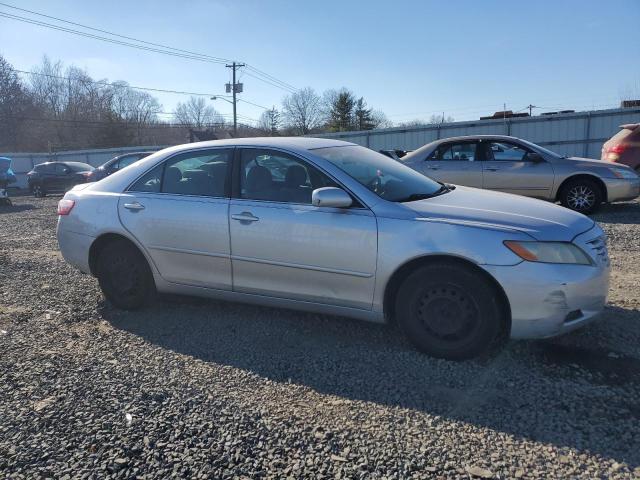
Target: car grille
point(599, 250)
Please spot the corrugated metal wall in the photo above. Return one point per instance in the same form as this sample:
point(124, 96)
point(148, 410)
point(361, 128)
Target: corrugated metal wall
point(573, 134)
point(23, 162)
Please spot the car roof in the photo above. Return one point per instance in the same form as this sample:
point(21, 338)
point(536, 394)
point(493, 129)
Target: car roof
point(291, 143)
point(77, 164)
point(146, 152)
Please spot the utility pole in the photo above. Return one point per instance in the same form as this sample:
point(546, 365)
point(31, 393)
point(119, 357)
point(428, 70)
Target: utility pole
point(531, 107)
point(235, 88)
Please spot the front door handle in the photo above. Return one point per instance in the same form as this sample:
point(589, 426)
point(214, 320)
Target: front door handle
point(133, 206)
point(244, 217)
point(492, 169)
point(433, 167)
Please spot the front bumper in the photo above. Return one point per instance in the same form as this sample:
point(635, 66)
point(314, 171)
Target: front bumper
point(547, 300)
point(621, 189)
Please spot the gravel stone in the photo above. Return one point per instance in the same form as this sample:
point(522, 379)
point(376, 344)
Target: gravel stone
point(192, 388)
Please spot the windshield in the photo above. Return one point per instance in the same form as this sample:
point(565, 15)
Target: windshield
point(385, 177)
point(541, 149)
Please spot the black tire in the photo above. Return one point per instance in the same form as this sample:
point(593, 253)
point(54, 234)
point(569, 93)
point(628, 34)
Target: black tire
point(449, 311)
point(582, 195)
point(124, 276)
point(38, 191)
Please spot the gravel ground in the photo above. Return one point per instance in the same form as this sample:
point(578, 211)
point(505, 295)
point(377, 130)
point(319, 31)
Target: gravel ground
point(202, 389)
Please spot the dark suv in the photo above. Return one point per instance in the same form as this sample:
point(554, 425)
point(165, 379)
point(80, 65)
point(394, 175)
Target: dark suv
point(115, 164)
point(57, 177)
point(624, 146)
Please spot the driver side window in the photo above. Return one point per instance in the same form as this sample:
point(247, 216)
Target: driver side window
point(275, 176)
point(506, 152)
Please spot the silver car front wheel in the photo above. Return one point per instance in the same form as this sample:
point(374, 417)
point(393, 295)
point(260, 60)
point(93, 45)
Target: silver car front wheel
point(581, 195)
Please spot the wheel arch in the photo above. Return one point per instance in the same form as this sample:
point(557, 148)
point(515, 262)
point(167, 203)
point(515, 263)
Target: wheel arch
point(583, 176)
point(410, 266)
point(105, 239)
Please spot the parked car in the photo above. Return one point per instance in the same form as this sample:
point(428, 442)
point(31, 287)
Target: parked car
point(115, 164)
point(624, 146)
point(396, 154)
point(7, 177)
point(53, 177)
point(345, 230)
point(512, 165)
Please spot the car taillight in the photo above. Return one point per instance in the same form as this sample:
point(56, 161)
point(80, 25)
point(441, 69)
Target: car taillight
point(619, 148)
point(65, 205)
point(86, 174)
point(613, 152)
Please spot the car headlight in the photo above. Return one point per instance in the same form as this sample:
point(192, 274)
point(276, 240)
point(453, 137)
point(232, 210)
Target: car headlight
point(549, 252)
point(623, 173)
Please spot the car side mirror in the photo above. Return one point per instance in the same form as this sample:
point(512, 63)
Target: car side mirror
point(535, 157)
point(331, 197)
point(66, 171)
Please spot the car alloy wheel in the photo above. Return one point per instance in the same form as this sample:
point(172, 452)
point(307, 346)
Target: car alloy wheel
point(37, 191)
point(581, 198)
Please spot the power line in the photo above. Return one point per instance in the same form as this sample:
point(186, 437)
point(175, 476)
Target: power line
point(221, 60)
point(154, 47)
point(104, 39)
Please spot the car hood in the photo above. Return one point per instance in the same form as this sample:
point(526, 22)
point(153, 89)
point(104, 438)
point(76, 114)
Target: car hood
point(502, 211)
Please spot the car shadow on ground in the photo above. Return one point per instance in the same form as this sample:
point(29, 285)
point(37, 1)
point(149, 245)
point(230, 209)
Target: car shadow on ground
point(15, 208)
point(541, 391)
point(625, 213)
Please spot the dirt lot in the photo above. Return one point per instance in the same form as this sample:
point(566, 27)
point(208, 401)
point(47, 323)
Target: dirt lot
point(201, 389)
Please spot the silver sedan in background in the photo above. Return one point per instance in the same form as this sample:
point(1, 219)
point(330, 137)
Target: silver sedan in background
point(332, 227)
point(512, 165)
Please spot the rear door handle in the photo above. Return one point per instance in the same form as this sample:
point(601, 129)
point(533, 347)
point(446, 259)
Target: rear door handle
point(244, 217)
point(133, 206)
point(433, 167)
point(492, 169)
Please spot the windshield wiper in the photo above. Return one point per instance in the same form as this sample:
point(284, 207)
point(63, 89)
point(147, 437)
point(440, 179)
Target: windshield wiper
point(444, 188)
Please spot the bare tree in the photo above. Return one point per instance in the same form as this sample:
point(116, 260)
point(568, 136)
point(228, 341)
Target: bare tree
point(195, 113)
point(380, 120)
point(15, 109)
point(302, 110)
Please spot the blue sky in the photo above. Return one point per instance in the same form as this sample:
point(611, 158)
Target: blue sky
point(407, 58)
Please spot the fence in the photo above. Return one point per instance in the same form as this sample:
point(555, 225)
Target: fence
point(23, 162)
point(573, 134)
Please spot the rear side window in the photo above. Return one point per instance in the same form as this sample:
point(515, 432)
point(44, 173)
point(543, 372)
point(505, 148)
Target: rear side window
point(128, 160)
point(150, 181)
point(455, 151)
point(45, 168)
point(201, 173)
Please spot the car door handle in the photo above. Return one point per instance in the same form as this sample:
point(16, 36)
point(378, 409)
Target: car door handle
point(492, 169)
point(244, 217)
point(433, 167)
point(133, 206)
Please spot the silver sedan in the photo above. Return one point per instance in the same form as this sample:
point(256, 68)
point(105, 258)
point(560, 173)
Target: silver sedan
point(513, 165)
point(332, 227)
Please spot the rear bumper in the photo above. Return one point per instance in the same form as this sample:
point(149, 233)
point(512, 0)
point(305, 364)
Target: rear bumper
point(621, 189)
point(74, 247)
point(548, 300)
